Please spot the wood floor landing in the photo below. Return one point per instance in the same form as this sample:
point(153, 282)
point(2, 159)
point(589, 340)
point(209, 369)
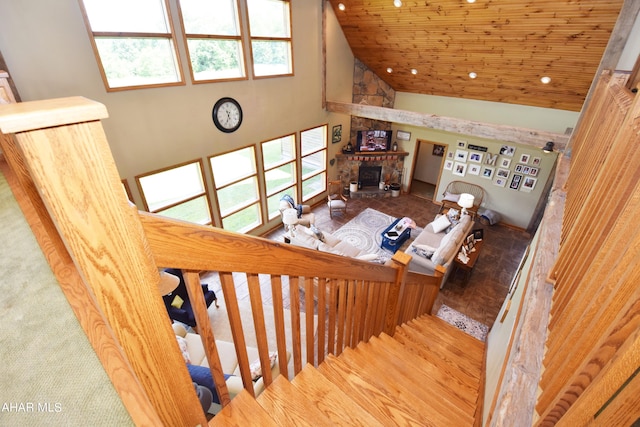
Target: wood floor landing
point(428, 374)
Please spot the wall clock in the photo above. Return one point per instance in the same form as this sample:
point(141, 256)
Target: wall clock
point(227, 114)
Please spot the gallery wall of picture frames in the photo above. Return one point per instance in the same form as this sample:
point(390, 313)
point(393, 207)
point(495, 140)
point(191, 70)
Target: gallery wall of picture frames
point(505, 169)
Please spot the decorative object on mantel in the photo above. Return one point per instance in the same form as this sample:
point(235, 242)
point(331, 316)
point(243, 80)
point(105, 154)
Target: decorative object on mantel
point(395, 146)
point(348, 148)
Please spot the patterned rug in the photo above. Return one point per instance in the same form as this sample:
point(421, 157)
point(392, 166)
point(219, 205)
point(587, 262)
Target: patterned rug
point(365, 232)
point(463, 322)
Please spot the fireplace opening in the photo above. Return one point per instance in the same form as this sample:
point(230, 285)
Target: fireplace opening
point(369, 176)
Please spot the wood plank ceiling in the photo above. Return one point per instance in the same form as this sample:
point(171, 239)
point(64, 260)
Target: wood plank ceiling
point(509, 44)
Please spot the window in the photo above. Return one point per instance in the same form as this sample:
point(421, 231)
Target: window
point(214, 44)
point(236, 182)
point(133, 42)
point(313, 149)
point(279, 160)
point(270, 31)
point(179, 192)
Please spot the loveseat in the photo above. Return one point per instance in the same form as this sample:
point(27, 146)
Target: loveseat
point(193, 350)
point(437, 247)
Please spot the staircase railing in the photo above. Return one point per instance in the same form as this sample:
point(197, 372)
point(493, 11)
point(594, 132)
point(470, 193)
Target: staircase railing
point(354, 300)
point(62, 157)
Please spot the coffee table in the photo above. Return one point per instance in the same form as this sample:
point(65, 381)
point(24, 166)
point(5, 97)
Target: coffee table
point(473, 257)
point(395, 235)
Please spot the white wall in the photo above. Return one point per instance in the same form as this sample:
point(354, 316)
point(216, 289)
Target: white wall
point(47, 50)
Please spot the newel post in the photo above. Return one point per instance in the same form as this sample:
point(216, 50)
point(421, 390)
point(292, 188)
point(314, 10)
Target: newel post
point(399, 261)
point(68, 157)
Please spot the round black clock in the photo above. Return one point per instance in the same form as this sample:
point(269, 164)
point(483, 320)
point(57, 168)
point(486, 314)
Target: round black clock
point(227, 115)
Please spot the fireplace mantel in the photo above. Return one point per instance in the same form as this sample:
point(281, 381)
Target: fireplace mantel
point(367, 156)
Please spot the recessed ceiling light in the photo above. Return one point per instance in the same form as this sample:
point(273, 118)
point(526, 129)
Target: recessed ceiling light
point(545, 80)
point(473, 75)
point(389, 70)
point(397, 3)
point(471, 1)
point(341, 6)
point(414, 71)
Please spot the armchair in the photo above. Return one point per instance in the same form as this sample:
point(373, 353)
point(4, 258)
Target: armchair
point(305, 216)
point(178, 304)
point(336, 200)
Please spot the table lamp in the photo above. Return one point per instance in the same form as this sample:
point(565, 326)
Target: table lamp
point(168, 283)
point(465, 202)
point(290, 219)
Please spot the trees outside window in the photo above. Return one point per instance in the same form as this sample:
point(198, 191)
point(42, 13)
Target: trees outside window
point(270, 32)
point(279, 160)
point(313, 149)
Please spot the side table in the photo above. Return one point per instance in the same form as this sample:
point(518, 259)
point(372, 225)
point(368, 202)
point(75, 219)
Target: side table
point(473, 257)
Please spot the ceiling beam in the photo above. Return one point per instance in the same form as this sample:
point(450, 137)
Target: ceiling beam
point(504, 133)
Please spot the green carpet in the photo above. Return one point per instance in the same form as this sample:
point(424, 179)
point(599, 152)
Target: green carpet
point(50, 375)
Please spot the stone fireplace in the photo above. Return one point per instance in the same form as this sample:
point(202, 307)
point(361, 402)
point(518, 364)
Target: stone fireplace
point(369, 176)
point(389, 164)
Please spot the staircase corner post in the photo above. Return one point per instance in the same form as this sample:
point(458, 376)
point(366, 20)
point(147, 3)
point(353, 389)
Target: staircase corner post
point(400, 261)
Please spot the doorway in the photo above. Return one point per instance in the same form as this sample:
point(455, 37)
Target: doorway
point(427, 168)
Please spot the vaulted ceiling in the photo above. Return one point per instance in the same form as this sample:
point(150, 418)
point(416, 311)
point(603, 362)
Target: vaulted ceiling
point(509, 44)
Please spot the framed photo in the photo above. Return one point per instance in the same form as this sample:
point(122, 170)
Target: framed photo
point(403, 136)
point(474, 169)
point(487, 172)
point(470, 243)
point(462, 143)
point(505, 163)
point(448, 165)
point(524, 158)
point(526, 170)
point(515, 181)
point(336, 134)
point(507, 150)
point(518, 168)
point(500, 182)
point(459, 169)
point(478, 234)
point(450, 154)
point(503, 173)
point(534, 171)
point(438, 150)
point(535, 161)
point(528, 184)
point(475, 157)
point(461, 155)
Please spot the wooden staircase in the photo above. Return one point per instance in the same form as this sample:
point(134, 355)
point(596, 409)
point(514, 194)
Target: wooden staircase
point(429, 374)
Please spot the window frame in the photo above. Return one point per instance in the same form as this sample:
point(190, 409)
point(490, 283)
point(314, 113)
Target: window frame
point(251, 39)
point(142, 35)
point(257, 202)
point(204, 193)
point(325, 169)
point(241, 38)
point(265, 170)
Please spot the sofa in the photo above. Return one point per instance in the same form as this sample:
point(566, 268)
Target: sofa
point(438, 245)
point(194, 354)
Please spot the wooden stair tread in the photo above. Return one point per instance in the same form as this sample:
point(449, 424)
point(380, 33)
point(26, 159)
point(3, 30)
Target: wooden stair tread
point(243, 410)
point(461, 396)
point(380, 405)
point(465, 371)
point(333, 402)
point(453, 334)
point(438, 405)
point(288, 406)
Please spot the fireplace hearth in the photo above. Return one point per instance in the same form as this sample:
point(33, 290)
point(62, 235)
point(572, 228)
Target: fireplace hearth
point(369, 176)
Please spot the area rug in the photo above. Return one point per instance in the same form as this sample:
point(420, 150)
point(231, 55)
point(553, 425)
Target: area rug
point(222, 329)
point(463, 322)
point(365, 232)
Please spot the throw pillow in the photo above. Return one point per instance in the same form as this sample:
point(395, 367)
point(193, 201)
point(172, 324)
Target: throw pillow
point(177, 302)
point(450, 197)
point(317, 233)
point(201, 375)
point(440, 224)
point(182, 343)
point(424, 250)
point(256, 368)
